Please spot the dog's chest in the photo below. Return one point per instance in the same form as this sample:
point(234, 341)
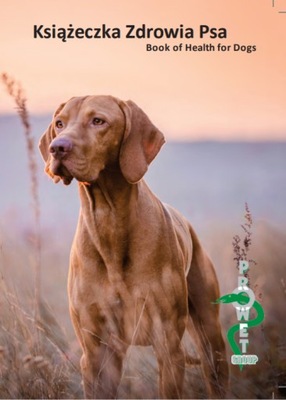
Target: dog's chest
point(131, 309)
point(113, 310)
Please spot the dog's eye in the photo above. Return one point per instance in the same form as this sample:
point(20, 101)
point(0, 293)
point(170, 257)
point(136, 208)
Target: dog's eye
point(59, 124)
point(97, 121)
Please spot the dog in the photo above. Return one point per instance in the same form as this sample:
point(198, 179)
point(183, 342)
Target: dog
point(138, 273)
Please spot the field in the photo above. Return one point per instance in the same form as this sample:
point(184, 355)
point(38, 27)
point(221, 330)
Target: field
point(209, 183)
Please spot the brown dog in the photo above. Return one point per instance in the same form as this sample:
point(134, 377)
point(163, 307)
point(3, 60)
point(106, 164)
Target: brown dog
point(137, 270)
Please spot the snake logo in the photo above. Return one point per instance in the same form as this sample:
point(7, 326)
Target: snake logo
point(243, 299)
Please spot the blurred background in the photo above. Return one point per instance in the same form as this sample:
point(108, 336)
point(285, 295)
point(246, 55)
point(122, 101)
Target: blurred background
point(223, 116)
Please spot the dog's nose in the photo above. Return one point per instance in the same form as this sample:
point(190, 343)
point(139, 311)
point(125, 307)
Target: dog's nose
point(60, 147)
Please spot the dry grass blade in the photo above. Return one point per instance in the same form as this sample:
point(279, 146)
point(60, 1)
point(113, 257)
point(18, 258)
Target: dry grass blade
point(15, 90)
point(241, 246)
point(34, 365)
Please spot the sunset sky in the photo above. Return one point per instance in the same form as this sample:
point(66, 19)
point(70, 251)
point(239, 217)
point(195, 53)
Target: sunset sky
point(188, 95)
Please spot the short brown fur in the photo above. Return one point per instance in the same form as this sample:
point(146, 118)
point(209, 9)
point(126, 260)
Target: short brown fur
point(137, 270)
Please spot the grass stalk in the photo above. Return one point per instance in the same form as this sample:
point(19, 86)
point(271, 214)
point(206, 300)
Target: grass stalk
point(15, 90)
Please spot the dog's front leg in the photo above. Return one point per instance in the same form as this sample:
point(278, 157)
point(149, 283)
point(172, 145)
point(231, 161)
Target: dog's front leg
point(101, 369)
point(171, 362)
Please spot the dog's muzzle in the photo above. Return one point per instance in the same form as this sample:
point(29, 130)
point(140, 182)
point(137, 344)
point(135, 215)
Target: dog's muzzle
point(60, 148)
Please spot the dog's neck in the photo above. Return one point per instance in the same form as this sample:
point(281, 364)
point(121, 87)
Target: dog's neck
point(105, 204)
point(110, 193)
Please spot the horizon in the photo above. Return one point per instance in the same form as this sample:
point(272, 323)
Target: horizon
point(187, 137)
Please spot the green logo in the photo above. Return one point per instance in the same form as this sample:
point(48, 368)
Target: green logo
point(243, 300)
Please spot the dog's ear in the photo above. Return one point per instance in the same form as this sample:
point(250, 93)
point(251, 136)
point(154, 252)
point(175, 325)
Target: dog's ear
point(44, 145)
point(141, 142)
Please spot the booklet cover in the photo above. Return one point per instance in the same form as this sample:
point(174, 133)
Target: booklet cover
point(209, 77)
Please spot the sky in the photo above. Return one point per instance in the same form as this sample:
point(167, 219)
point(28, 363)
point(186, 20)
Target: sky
point(227, 95)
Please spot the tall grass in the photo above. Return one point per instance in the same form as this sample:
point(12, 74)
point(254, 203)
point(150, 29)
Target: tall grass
point(15, 90)
point(34, 352)
point(34, 358)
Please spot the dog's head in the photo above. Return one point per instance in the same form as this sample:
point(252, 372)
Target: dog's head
point(90, 134)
